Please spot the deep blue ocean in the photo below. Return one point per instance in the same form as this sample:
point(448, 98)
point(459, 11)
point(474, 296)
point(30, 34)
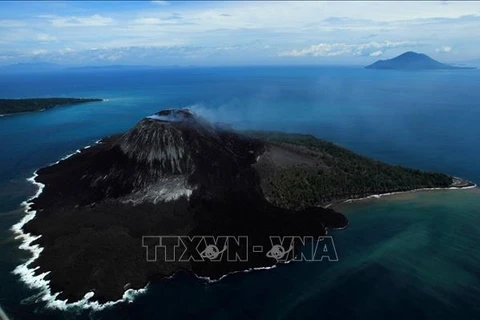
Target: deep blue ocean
point(409, 256)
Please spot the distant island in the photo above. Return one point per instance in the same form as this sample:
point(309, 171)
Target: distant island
point(174, 173)
point(30, 67)
point(413, 61)
point(46, 67)
point(11, 106)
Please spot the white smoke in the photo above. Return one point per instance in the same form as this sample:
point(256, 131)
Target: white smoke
point(236, 113)
point(172, 117)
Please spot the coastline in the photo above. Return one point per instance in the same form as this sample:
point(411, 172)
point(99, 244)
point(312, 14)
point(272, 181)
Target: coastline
point(45, 109)
point(210, 280)
point(17, 113)
point(377, 196)
point(27, 274)
point(38, 282)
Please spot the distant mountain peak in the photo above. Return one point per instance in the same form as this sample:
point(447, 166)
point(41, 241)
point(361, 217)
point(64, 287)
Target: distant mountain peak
point(411, 60)
point(412, 53)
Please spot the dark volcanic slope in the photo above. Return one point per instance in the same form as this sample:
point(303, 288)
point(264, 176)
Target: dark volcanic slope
point(172, 174)
point(412, 61)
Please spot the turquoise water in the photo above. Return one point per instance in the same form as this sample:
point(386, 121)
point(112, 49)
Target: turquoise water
point(414, 255)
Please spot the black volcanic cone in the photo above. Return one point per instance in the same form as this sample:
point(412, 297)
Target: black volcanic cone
point(172, 174)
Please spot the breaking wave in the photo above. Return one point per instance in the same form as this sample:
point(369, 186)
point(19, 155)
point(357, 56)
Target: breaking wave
point(27, 273)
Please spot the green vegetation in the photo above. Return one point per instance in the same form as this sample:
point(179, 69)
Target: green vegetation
point(336, 174)
point(9, 106)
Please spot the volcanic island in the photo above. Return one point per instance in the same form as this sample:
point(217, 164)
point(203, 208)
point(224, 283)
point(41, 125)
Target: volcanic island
point(174, 173)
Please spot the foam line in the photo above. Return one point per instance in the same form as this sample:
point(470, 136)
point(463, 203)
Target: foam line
point(33, 281)
point(3, 315)
point(377, 196)
point(210, 280)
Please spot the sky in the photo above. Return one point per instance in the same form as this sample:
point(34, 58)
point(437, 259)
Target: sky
point(236, 32)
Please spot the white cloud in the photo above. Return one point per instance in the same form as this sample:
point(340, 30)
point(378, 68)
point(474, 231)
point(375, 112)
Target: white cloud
point(45, 37)
point(444, 49)
point(65, 50)
point(38, 52)
point(12, 23)
point(147, 21)
point(373, 49)
point(95, 20)
point(376, 53)
point(160, 3)
point(166, 20)
point(322, 49)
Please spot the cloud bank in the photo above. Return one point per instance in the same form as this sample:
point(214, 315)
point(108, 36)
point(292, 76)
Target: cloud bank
point(251, 32)
point(373, 49)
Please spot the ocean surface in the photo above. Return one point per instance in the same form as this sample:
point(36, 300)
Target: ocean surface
point(413, 256)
